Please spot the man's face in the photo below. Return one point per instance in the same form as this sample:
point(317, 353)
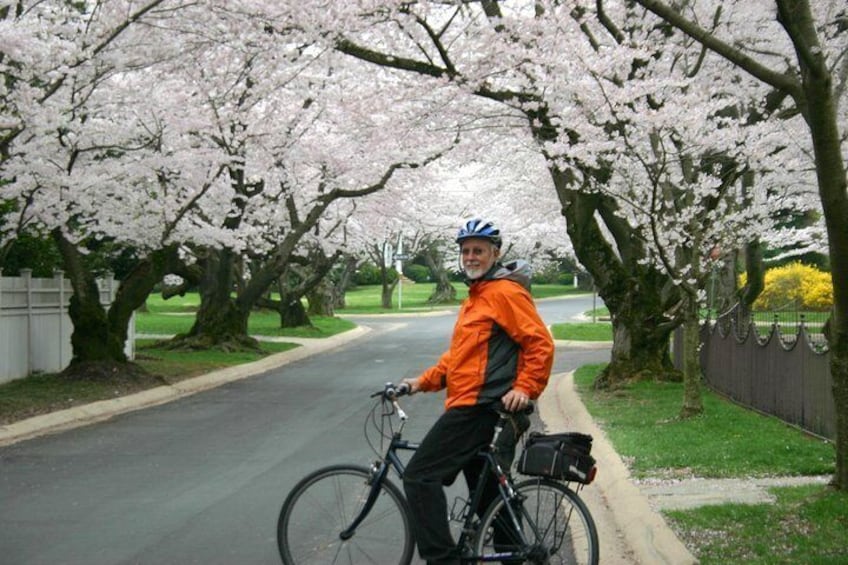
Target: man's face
point(478, 256)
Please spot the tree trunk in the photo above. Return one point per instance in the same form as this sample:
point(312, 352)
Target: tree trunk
point(640, 347)
point(293, 314)
point(343, 282)
point(637, 296)
point(819, 107)
point(320, 299)
point(444, 293)
point(92, 339)
point(100, 335)
point(220, 320)
point(387, 287)
point(692, 402)
point(386, 295)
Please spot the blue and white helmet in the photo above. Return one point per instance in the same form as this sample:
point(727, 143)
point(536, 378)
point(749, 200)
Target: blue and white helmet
point(481, 229)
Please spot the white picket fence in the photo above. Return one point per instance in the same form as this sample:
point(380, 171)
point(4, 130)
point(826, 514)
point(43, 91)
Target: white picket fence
point(35, 329)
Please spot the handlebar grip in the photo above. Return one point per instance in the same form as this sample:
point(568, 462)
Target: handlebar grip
point(392, 391)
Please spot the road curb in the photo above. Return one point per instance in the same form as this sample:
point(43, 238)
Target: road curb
point(645, 532)
point(91, 413)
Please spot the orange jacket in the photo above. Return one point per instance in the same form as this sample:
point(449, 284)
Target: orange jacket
point(499, 343)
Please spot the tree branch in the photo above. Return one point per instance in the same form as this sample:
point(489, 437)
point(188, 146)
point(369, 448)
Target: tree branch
point(780, 81)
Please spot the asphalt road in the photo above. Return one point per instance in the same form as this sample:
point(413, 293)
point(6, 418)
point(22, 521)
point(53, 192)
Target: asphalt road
point(201, 479)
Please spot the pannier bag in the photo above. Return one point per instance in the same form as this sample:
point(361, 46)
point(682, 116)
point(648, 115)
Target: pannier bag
point(558, 456)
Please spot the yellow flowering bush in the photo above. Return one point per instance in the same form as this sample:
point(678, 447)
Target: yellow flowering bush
point(797, 284)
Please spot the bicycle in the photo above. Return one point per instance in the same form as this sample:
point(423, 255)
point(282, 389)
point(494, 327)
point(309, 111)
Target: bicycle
point(355, 514)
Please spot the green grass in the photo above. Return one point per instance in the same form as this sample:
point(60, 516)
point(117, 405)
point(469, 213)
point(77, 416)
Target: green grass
point(176, 315)
point(367, 299)
point(642, 421)
point(43, 393)
point(583, 331)
point(177, 364)
point(806, 525)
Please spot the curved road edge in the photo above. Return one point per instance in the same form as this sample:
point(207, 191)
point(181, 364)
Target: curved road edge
point(642, 536)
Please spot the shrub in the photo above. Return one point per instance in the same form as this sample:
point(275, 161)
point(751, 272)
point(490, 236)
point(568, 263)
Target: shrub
point(566, 279)
point(417, 273)
point(369, 273)
point(796, 284)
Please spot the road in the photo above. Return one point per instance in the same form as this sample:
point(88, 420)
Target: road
point(201, 479)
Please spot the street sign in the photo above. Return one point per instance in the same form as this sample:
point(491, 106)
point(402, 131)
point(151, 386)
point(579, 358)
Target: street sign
point(388, 254)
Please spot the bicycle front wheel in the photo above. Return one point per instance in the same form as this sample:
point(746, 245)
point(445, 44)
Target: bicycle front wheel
point(325, 503)
point(553, 526)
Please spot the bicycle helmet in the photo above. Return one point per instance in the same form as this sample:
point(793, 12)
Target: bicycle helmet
point(479, 228)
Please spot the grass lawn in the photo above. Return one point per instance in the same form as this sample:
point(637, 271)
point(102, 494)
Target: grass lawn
point(583, 331)
point(43, 393)
point(367, 299)
point(806, 524)
point(162, 321)
point(176, 315)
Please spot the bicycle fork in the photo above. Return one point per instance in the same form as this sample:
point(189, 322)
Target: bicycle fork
point(378, 475)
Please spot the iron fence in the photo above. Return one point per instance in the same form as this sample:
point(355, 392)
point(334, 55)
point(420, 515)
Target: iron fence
point(772, 363)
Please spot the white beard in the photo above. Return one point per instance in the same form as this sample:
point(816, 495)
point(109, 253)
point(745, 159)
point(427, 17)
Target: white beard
point(474, 274)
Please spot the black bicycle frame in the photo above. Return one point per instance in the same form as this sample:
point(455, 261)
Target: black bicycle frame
point(391, 460)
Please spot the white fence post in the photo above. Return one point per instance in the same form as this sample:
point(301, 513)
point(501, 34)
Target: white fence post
point(59, 278)
point(26, 275)
point(35, 328)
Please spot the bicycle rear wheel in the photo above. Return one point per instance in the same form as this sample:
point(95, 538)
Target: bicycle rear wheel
point(553, 520)
point(324, 503)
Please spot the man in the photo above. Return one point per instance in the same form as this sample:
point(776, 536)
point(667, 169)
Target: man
point(500, 351)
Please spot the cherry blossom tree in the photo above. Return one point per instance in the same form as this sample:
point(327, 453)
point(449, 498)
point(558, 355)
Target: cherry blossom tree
point(61, 140)
point(806, 63)
point(217, 149)
point(511, 54)
point(492, 175)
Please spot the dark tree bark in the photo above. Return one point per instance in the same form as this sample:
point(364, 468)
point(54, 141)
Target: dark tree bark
point(444, 293)
point(321, 299)
point(636, 295)
point(343, 281)
point(221, 320)
point(387, 288)
point(693, 403)
point(99, 333)
point(292, 313)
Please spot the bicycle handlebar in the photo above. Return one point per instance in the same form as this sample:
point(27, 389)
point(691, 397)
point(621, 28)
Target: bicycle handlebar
point(392, 391)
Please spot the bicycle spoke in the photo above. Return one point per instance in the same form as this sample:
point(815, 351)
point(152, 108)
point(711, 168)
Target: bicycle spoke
point(555, 527)
point(326, 503)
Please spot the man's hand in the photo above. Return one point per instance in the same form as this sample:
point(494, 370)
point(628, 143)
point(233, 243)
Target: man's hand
point(515, 400)
point(413, 385)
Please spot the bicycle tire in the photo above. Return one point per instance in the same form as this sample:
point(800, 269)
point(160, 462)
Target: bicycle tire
point(325, 502)
point(555, 521)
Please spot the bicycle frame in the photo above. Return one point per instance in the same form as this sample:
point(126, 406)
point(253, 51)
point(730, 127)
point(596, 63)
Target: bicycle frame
point(391, 460)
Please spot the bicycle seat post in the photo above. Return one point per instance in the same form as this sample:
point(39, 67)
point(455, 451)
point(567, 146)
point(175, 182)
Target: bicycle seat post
point(499, 426)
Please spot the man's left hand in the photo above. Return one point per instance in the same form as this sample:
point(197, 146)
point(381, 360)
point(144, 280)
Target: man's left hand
point(515, 400)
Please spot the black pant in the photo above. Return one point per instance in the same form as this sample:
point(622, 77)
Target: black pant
point(449, 447)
